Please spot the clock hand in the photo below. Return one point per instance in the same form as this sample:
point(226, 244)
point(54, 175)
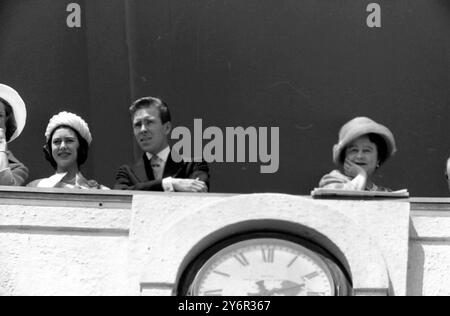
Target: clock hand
point(261, 288)
point(263, 291)
point(282, 290)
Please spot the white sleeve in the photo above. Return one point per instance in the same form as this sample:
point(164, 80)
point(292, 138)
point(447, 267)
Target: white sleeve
point(167, 184)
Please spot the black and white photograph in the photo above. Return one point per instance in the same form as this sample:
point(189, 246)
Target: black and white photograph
point(224, 148)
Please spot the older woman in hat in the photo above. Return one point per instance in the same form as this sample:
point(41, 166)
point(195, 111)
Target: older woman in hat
point(67, 143)
point(13, 116)
point(363, 147)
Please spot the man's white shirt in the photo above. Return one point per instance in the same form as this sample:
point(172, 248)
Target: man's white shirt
point(163, 155)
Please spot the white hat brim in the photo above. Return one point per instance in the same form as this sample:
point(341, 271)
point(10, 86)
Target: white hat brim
point(18, 106)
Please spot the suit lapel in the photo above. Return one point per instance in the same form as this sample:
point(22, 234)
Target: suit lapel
point(140, 171)
point(172, 168)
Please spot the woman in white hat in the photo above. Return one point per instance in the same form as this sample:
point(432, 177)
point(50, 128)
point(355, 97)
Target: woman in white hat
point(13, 116)
point(363, 147)
point(67, 143)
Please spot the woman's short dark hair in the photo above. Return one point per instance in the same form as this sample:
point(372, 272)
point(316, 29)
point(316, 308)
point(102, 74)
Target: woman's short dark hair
point(82, 152)
point(10, 122)
point(147, 102)
point(379, 141)
point(381, 146)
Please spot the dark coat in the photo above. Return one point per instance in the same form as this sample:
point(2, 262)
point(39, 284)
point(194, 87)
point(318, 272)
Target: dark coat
point(140, 176)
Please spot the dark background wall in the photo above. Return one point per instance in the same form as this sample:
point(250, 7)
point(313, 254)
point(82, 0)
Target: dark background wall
point(83, 70)
point(306, 66)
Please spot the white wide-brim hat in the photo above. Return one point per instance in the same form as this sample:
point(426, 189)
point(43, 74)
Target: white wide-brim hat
point(358, 127)
point(18, 106)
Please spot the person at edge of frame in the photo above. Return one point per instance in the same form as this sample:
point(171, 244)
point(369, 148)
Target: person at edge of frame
point(13, 115)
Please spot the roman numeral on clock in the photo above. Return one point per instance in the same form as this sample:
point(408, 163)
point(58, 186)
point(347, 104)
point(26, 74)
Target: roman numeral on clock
point(213, 293)
point(222, 273)
point(268, 255)
point(292, 261)
point(312, 275)
point(241, 259)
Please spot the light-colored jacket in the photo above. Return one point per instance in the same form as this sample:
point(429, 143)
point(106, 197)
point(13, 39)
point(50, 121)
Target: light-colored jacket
point(58, 181)
point(336, 180)
point(16, 174)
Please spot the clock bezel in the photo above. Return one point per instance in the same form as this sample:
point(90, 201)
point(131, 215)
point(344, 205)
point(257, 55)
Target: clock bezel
point(250, 243)
point(342, 285)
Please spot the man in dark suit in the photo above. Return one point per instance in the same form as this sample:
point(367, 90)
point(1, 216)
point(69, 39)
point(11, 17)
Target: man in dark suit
point(157, 170)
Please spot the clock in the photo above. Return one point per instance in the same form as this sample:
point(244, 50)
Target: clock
point(266, 265)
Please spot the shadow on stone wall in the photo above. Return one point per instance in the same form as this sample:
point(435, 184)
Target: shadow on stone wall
point(416, 261)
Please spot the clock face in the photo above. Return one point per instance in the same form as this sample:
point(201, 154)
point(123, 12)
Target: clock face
point(264, 267)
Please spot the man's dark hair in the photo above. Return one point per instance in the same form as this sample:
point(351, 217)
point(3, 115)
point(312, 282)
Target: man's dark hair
point(10, 122)
point(82, 152)
point(147, 102)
